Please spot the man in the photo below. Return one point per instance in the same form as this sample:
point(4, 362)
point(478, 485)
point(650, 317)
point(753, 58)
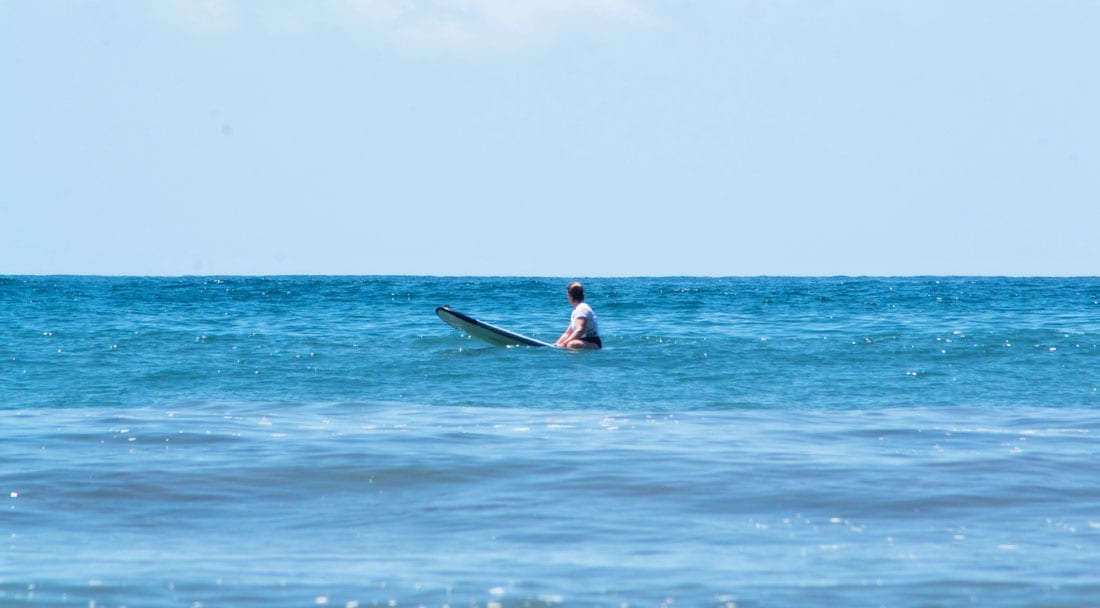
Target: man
point(582, 331)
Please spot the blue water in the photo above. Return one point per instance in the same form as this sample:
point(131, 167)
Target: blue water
point(305, 441)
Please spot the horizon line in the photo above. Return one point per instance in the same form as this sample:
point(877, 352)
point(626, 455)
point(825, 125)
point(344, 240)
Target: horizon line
point(551, 276)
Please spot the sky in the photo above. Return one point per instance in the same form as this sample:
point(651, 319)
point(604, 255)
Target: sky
point(566, 138)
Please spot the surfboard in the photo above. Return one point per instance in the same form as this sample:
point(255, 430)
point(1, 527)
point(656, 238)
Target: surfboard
point(484, 331)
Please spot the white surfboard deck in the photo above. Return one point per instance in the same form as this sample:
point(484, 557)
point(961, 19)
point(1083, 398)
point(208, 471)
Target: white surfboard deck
point(484, 331)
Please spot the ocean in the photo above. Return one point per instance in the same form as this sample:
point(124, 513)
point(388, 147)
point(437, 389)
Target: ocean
point(328, 441)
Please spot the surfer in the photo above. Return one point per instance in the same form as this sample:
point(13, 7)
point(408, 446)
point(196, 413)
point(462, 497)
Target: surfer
point(582, 331)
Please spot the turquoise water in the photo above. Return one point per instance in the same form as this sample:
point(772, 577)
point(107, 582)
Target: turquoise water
point(303, 441)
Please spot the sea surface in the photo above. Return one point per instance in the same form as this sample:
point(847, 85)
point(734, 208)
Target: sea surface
point(328, 441)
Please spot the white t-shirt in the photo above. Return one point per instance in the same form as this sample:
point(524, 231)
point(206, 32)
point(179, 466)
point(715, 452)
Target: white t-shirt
point(584, 310)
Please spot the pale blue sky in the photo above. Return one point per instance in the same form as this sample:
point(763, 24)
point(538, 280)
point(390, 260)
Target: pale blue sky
point(567, 138)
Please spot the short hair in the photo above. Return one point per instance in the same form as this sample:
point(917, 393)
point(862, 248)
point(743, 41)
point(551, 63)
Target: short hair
point(576, 291)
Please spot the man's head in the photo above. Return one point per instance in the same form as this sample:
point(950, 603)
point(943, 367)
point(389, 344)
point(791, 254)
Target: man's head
point(576, 292)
